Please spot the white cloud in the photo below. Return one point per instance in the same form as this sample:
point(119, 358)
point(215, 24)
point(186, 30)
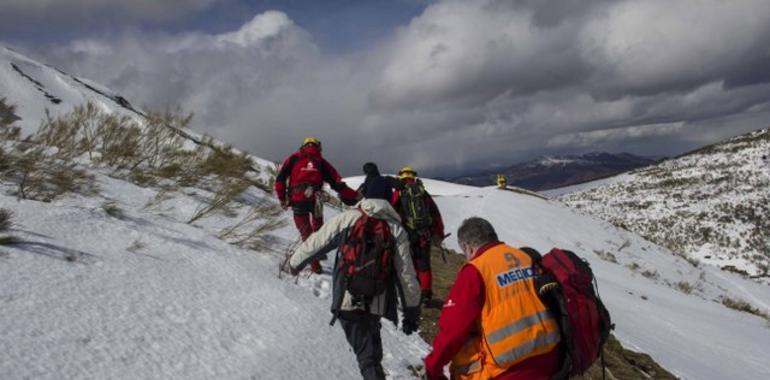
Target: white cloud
point(263, 26)
point(592, 138)
point(646, 46)
point(463, 83)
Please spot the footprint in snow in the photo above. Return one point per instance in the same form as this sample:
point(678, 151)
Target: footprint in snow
point(321, 288)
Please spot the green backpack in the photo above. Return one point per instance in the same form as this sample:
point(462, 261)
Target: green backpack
point(414, 206)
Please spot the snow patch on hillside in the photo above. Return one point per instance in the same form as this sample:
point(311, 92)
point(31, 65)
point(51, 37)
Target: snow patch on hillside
point(712, 204)
point(555, 193)
point(35, 89)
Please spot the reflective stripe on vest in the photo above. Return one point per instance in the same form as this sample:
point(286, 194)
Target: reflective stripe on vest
point(528, 347)
point(514, 324)
point(513, 328)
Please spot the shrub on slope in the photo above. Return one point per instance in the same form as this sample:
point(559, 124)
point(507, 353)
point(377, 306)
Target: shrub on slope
point(154, 153)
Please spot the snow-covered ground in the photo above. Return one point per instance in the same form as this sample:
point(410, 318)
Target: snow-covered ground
point(93, 295)
point(434, 187)
point(147, 296)
point(585, 186)
point(692, 335)
point(712, 205)
point(88, 295)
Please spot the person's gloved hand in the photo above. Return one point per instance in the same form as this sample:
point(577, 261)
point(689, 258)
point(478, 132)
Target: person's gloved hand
point(286, 267)
point(347, 195)
point(411, 320)
point(408, 327)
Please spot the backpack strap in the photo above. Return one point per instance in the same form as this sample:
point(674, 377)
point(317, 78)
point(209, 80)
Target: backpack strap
point(544, 282)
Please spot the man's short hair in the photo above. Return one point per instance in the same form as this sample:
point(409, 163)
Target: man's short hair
point(476, 232)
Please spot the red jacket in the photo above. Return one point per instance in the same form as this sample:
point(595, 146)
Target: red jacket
point(459, 317)
point(305, 168)
point(437, 229)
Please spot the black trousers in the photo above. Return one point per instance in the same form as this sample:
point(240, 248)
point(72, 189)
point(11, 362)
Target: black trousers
point(362, 330)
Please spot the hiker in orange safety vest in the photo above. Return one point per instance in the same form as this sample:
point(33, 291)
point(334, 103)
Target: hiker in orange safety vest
point(493, 324)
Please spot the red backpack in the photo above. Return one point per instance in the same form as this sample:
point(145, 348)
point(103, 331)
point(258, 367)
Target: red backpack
point(307, 169)
point(584, 322)
point(367, 257)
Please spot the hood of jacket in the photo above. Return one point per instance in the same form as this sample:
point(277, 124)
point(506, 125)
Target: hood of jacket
point(380, 209)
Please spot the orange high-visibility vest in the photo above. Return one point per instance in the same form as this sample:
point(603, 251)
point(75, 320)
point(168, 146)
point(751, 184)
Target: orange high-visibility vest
point(514, 325)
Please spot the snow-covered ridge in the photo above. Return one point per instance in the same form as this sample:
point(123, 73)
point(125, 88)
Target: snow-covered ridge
point(712, 205)
point(122, 285)
point(434, 187)
point(118, 285)
point(35, 88)
point(38, 90)
point(552, 161)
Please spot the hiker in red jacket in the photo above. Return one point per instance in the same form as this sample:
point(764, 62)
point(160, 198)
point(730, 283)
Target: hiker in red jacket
point(493, 324)
point(422, 221)
point(306, 171)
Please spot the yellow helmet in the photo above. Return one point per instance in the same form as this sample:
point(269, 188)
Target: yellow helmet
point(407, 172)
point(311, 140)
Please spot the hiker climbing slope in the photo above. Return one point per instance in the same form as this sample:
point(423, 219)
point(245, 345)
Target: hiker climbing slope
point(374, 178)
point(373, 254)
point(422, 220)
point(306, 171)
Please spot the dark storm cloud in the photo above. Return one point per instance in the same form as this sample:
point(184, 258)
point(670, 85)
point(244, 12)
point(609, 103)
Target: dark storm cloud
point(72, 12)
point(464, 82)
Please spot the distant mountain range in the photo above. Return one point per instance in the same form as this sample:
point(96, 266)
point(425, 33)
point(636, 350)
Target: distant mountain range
point(552, 172)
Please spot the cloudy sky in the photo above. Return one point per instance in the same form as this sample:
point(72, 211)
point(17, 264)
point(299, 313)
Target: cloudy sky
point(441, 85)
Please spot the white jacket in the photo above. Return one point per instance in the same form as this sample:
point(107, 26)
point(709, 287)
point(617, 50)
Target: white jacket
point(330, 237)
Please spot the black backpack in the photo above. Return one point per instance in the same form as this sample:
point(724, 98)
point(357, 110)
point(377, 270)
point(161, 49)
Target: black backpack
point(414, 206)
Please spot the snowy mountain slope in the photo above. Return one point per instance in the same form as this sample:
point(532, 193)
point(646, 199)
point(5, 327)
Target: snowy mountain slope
point(555, 193)
point(712, 204)
point(142, 294)
point(35, 88)
point(146, 296)
point(689, 334)
point(434, 187)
